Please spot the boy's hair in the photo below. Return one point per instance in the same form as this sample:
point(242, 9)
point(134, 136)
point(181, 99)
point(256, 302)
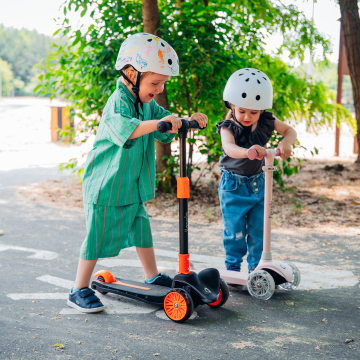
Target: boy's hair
point(125, 70)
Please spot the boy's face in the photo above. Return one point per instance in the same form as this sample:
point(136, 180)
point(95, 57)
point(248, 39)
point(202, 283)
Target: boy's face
point(151, 85)
point(246, 117)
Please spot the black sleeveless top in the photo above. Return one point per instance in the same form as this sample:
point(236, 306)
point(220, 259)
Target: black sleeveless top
point(246, 138)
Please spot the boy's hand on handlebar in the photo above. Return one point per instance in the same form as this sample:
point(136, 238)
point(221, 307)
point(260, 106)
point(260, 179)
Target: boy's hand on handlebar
point(285, 149)
point(201, 118)
point(175, 122)
point(261, 151)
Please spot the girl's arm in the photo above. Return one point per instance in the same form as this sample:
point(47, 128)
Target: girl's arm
point(234, 151)
point(289, 139)
point(146, 127)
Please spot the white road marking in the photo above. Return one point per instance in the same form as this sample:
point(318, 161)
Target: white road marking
point(39, 254)
point(314, 277)
point(114, 304)
point(118, 305)
point(39, 296)
point(161, 315)
point(112, 262)
point(67, 284)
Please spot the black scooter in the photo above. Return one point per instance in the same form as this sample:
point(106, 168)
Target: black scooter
point(188, 289)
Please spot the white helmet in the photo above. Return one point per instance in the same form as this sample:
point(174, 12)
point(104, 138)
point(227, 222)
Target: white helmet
point(146, 52)
point(250, 89)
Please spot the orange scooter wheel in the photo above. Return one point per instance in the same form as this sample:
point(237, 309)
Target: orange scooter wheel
point(223, 295)
point(178, 305)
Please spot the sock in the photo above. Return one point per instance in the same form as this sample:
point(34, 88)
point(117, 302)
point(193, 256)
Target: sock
point(153, 279)
point(73, 290)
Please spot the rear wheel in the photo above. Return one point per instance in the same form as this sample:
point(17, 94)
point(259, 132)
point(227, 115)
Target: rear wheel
point(223, 295)
point(100, 278)
point(178, 305)
point(294, 283)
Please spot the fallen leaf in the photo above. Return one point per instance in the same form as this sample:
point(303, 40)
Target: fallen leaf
point(290, 303)
point(60, 346)
point(318, 347)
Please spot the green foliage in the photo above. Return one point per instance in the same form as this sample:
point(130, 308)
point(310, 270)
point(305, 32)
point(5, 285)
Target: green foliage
point(23, 49)
point(212, 42)
point(6, 77)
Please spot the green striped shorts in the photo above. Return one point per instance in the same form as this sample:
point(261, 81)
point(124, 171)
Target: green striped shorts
point(112, 228)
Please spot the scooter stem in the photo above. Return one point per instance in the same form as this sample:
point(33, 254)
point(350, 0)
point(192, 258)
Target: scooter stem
point(268, 168)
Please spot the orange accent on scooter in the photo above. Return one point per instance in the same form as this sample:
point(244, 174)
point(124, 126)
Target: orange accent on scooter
point(129, 285)
point(175, 306)
point(183, 188)
point(107, 275)
point(184, 264)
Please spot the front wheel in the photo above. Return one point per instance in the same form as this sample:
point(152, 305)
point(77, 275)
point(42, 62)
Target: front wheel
point(261, 285)
point(223, 295)
point(178, 305)
point(294, 283)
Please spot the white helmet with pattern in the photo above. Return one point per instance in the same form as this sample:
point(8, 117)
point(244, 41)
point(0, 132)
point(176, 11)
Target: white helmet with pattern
point(146, 52)
point(250, 89)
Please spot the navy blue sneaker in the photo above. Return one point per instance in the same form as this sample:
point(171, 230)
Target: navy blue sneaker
point(85, 301)
point(162, 280)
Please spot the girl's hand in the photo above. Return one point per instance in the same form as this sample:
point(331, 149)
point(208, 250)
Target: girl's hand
point(175, 122)
point(261, 151)
point(285, 149)
point(201, 118)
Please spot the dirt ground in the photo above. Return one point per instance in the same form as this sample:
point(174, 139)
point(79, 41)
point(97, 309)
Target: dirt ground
point(323, 197)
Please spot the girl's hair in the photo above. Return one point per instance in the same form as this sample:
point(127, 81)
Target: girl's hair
point(126, 68)
point(228, 115)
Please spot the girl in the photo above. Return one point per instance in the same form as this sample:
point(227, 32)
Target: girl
point(119, 172)
point(248, 93)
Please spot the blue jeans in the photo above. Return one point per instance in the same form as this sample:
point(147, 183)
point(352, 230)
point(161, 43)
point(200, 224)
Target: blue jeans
point(242, 206)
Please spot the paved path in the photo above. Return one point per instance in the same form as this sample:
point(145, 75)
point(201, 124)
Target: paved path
point(38, 259)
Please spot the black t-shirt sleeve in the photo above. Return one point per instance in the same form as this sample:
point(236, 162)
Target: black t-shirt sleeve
point(227, 124)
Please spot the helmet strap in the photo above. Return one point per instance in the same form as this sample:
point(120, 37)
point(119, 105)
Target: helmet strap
point(135, 89)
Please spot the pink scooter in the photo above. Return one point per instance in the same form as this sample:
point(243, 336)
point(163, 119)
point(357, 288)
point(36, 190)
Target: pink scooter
point(262, 281)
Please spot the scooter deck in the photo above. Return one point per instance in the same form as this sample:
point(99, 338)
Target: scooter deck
point(150, 293)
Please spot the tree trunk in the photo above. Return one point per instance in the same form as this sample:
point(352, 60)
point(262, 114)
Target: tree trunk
point(151, 20)
point(350, 22)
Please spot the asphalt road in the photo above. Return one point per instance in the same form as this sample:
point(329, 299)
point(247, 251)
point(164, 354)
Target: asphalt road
point(38, 259)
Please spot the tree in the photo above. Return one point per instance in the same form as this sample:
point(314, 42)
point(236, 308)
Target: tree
point(350, 22)
point(212, 39)
point(6, 77)
point(151, 20)
point(23, 49)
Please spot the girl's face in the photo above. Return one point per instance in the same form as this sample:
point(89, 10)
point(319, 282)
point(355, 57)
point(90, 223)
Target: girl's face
point(150, 85)
point(246, 117)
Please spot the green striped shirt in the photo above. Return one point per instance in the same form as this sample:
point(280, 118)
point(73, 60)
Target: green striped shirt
point(118, 170)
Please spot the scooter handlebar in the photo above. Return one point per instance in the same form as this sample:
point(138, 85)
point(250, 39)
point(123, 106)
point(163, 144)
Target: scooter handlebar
point(164, 126)
point(253, 154)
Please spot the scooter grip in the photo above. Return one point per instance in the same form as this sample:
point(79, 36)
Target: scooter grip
point(252, 154)
point(164, 126)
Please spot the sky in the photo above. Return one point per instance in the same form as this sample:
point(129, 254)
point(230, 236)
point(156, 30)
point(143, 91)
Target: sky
point(40, 15)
